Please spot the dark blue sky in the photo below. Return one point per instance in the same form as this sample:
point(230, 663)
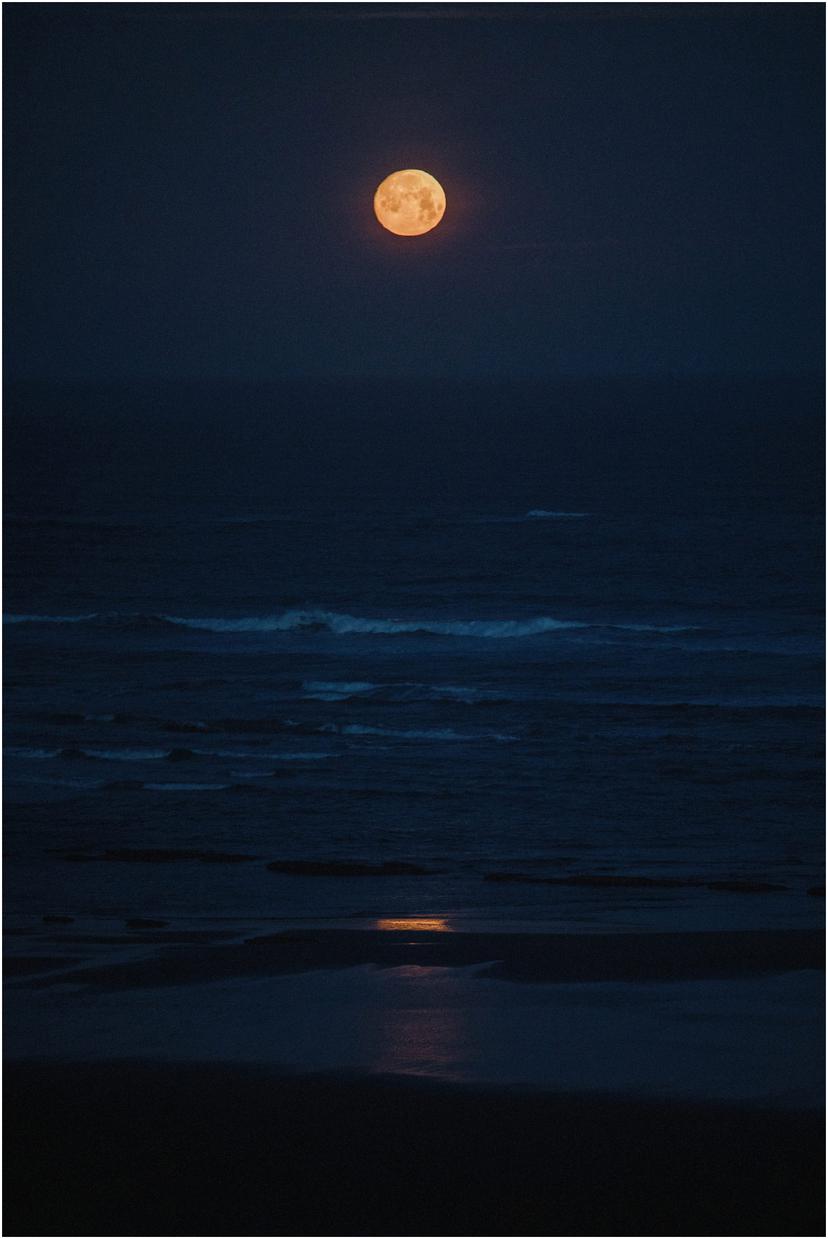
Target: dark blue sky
point(631, 189)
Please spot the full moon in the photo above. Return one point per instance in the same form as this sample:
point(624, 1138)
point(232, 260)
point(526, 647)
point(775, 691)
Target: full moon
point(409, 202)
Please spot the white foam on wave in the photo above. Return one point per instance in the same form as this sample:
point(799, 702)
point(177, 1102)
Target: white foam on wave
point(444, 733)
point(541, 514)
point(260, 755)
point(534, 514)
point(126, 754)
point(159, 754)
point(337, 690)
point(341, 624)
point(49, 619)
point(19, 751)
point(457, 692)
point(301, 756)
point(406, 690)
point(186, 787)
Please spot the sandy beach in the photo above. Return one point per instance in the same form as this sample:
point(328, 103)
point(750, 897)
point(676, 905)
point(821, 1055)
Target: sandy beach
point(403, 1080)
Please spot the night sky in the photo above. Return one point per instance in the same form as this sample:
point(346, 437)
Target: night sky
point(631, 189)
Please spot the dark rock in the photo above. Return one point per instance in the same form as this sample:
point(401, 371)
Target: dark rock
point(223, 858)
point(58, 920)
point(165, 855)
point(160, 856)
point(510, 877)
point(138, 922)
point(125, 785)
point(346, 869)
point(816, 890)
point(180, 755)
point(746, 888)
point(74, 755)
point(624, 881)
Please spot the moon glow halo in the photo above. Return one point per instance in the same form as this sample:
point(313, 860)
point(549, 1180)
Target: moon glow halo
point(409, 202)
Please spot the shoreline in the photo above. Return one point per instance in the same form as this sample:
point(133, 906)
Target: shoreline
point(517, 957)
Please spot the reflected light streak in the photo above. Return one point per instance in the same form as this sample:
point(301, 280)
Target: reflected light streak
point(424, 1041)
point(434, 924)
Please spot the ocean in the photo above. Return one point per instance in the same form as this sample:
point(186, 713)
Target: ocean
point(504, 655)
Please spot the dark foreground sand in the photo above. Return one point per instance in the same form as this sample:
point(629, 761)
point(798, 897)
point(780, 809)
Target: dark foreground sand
point(149, 1149)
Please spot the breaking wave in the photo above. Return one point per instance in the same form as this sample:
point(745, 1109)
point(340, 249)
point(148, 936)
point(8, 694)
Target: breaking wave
point(50, 619)
point(344, 690)
point(346, 625)
point(442, 733)
point(540, 514)
point(342, 624)
point(187, 787)
point(171, 755)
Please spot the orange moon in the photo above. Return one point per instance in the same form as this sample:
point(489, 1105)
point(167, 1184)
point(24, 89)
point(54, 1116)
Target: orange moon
point(409, 202)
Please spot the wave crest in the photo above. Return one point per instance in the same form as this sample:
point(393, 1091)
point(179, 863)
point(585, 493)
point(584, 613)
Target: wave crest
point(341, 624)
point(541, 514)
point(442, 733)
point(353, 625)
point(405, 691)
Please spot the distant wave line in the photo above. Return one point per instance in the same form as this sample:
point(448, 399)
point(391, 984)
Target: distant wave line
point(341, 624)
point(534, 514)
point(401, 692)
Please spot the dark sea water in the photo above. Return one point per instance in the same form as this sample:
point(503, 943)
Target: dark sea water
point(568, 632)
